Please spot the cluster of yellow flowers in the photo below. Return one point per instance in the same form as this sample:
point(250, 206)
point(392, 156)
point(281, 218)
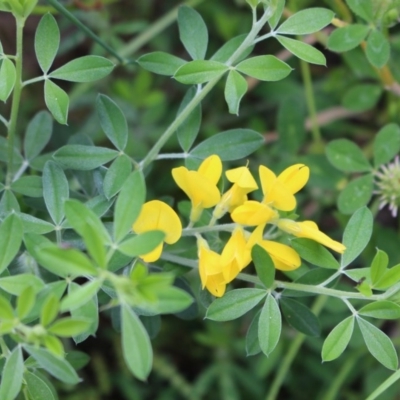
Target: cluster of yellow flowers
point(217, 270)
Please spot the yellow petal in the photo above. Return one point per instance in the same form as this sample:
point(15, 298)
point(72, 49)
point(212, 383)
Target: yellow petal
point(295, 177)
point(253, 213)
point(211, 168)
point(215, 286)
point(284, 257)
point(276, 193)
point(157, 215)
point(236, 249)
point(243, 178)
point(310, 230)
point(154, 255)
point(231, 271)
point(267, 178)
point(280, 198)
point(199, 189)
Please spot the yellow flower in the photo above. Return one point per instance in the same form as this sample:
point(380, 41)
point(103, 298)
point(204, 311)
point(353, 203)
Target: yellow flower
point(310, 230)
point(243, 183)
point(284, 257)
point(235, 255)
point(279, 191)
point(201, 185)
point(253, 213)
point(210, 269)
point(157, 215)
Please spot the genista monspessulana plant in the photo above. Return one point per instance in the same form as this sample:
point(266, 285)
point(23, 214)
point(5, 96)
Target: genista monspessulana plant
point(230, 228)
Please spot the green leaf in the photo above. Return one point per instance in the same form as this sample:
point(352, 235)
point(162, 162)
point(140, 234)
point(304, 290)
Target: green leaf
point(269, 325)
point(234, 304)
point(68, 327)
point(30, 186)
point(362, 97)
point(84, 69)
point(306, 21)
point(383, 309)
point(16, 284)
point(55, 190)
point(230, 145)
point(35, 225)
point(277, 15)
point(379, 266)
point(378, 49)
point(88, 311)
point(38, 388)
point(84, 158)
point(57, 101)
point(112, 121)
point(89, 226)
point(356, 235)
point(264, 265)
point(199, 71)
point(378, 344)
point(225, 52)
point(300, 317)
point(64, 262)
point(116, 176)
point(362, 8)
point(160, 63)
point(347, 38)
point(142, 244)
point(47, 41)
point(390, 278)
point(314, 253)
point(10, 240)
point(386, 144)
point(235, 89)
point(356, 194)
point(6, 310)
point(11, 380)
point(55, 366)
point(25, 302)
point(264, 68)
point(49, 310)
point(80, 296)
point(38, 134)
point(136, 345)
point(9, 203)
point(188, 130)
point(347, 156)
point(338, 339)
point(192, 32)
point(252, 342)
point(7, 78)
point(129, 204)
point(302, 50)
point(170, 299)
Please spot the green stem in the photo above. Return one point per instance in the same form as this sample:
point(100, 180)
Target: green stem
point(338, 380)
point(33, 80)
point(155, 28)
point(385, 385)
point(171, 156)
point(205, 229)
point(299, 287)
point(292, 352)
point(312, 110)
point(12, 125)
point(4, 121)
point(62, 10)
point(153, 153)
